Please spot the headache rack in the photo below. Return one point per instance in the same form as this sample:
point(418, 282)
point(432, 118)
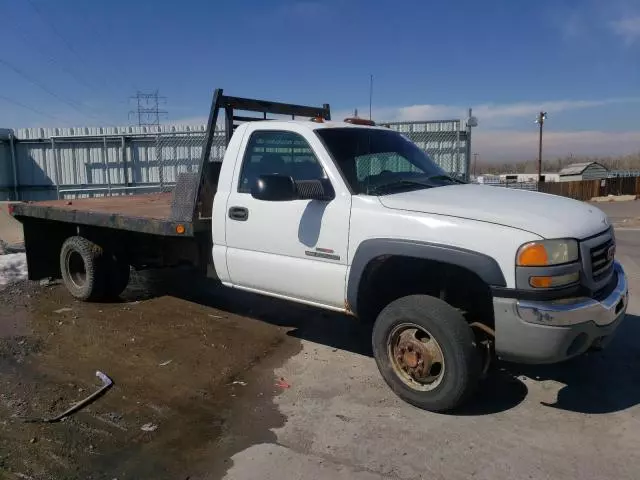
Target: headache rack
point(201, 200)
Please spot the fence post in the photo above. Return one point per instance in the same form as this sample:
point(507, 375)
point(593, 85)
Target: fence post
point(159, 162)
point(123, 160)
point(467, 152)
point(14, 164)
point(55, 167)
point(457, 150)
point(105, 160)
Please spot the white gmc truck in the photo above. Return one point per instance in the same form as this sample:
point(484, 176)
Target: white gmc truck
point(355, 218)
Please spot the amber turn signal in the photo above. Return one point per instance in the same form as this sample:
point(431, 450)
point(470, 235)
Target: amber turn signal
point(533, 255)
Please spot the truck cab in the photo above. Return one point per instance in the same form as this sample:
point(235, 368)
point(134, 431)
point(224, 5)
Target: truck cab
point(357, 218)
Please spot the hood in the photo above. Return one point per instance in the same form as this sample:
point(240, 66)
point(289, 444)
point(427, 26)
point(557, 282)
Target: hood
point(549, 216)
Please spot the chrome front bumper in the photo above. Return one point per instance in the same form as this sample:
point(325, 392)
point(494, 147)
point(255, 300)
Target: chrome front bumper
point(577, 310)
point(549, 332)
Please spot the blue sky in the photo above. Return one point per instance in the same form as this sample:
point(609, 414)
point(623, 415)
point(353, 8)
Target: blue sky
point(76, 62)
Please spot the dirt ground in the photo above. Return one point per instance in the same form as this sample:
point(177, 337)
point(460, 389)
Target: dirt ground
point(173, 360)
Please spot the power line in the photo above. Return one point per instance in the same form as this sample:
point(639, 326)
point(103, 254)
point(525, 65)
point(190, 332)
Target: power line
point(66, 43)
point(72, 103)
point(148, 108)
point(15, 25)
point(59, 35)
point(53, 61)
point(55, 30)
point(27, 107)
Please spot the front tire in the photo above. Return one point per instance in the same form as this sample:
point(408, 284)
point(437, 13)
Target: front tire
point(426, 352)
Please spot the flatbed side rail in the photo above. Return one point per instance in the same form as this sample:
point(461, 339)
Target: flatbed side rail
point(118, 221)
point(201, 207)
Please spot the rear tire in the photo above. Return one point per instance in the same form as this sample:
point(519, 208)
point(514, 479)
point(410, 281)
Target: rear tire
point(119, 274)
point(426, 352)
point(84, 268)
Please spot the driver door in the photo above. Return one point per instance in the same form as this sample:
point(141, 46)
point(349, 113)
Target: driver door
point(292, 249)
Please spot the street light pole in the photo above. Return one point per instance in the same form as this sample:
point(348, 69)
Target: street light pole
point(542, 116)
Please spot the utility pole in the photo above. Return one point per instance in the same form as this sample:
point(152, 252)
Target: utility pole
point(148, 110)
point(370, 94)
point(542, 116)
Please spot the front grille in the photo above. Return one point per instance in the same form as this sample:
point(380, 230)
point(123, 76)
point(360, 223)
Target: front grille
point(601, 264)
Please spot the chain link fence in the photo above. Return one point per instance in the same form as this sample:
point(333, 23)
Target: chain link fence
point(117, 165)
point(446, 142)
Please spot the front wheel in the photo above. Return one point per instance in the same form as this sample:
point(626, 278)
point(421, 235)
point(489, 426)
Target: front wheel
point(426, 352)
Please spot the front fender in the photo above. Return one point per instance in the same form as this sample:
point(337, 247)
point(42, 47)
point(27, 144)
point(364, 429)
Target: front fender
point(485, 267)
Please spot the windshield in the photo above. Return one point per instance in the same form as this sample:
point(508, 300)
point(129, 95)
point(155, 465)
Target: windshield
point(380, 162)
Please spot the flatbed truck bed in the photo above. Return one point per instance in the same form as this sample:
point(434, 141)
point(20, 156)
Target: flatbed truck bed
point(144, 213)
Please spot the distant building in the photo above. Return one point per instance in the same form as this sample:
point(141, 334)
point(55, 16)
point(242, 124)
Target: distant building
point(583, 171)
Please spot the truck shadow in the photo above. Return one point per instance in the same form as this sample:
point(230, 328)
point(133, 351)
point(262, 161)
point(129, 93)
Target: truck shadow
point(598, 382)
point(305, 322)
point(595, 383)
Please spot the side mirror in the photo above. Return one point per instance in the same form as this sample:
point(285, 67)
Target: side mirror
point(281, 188)
point(320, 190)
point(274, 188)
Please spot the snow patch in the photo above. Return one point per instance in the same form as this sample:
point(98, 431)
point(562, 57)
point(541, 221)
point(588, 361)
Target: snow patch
point(13, 268)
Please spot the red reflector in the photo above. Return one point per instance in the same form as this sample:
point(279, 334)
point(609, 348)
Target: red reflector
point(11, 208)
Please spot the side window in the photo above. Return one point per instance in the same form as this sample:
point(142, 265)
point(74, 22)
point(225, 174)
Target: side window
point(283, 153)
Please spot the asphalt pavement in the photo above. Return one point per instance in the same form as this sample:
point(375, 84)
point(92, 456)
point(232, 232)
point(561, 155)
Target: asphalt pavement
point(576, 420)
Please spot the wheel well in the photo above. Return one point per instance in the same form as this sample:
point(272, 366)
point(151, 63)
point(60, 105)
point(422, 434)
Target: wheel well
point(390, 277)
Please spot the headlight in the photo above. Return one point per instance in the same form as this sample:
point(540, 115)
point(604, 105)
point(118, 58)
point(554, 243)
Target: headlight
point(547, 252)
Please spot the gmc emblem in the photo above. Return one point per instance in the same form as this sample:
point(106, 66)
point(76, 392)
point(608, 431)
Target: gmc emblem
point(611, 252)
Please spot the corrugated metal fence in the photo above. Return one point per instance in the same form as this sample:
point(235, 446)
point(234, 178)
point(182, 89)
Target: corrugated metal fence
point(60, 163)
point(81, 162)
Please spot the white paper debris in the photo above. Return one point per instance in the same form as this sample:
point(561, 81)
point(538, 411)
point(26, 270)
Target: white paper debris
point(149, 427)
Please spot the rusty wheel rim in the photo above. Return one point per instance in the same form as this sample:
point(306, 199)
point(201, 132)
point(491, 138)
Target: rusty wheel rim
point(416, 357)
point(76, 268)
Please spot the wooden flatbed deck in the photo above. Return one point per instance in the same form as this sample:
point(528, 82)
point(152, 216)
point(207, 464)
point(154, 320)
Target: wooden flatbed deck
point(144, 213)
point(151, 205)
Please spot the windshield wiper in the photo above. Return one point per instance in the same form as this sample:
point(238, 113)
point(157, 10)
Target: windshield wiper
point(444, 177)
point(396, 184)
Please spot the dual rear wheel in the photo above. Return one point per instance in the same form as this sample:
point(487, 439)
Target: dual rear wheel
point(89, 272)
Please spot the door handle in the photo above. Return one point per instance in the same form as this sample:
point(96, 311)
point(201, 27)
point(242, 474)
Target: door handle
point(240, 214)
